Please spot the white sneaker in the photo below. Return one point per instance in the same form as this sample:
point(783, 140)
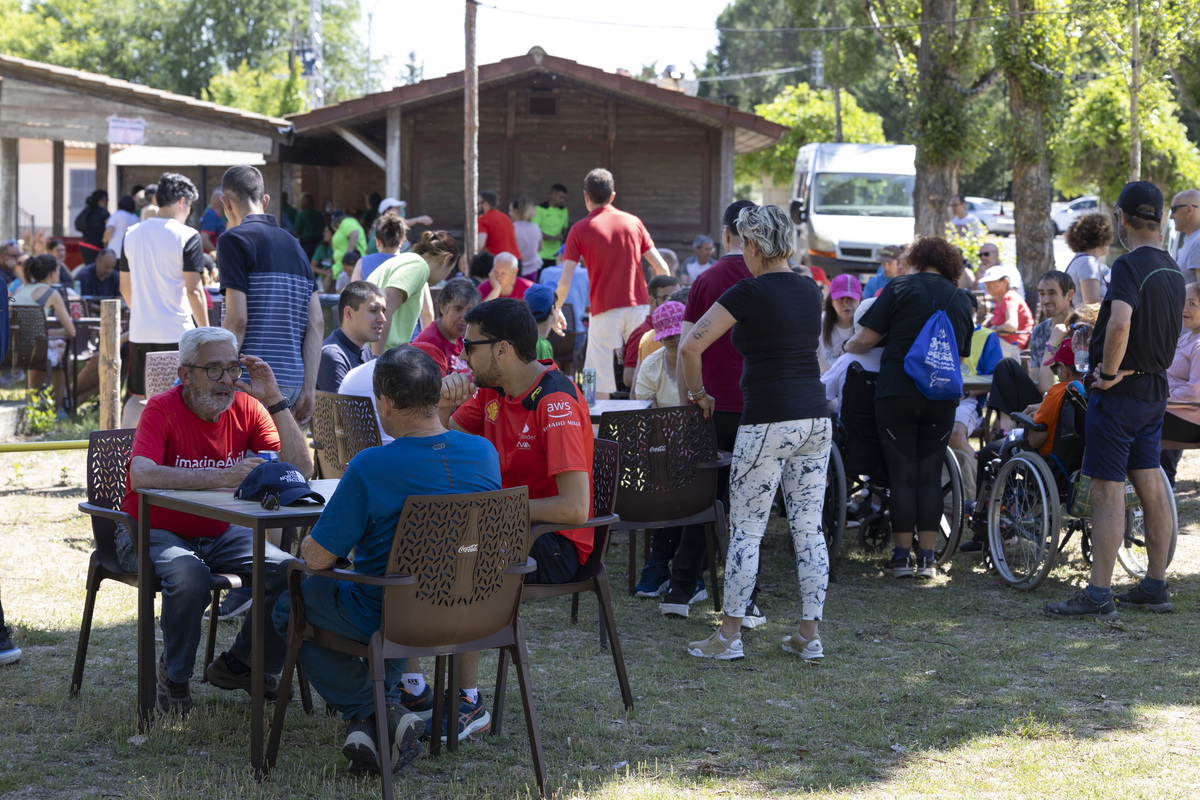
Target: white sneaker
point(754, 617)
point(673, 610)
point(713, 647)
point(810, 650)
point(700, 596)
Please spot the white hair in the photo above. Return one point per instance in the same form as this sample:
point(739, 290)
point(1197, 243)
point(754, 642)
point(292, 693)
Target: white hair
point(193, 340)
point(771, 230)
point(506, 257)
point(701, 240)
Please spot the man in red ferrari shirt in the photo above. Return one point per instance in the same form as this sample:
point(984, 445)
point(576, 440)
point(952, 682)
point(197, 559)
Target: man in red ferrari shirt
point(203, 434)
point(496, 233)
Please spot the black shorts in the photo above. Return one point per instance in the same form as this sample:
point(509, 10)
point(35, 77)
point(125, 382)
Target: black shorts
point(557, 559)
point(135, 382)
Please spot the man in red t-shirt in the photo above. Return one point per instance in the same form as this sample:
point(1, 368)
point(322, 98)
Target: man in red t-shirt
point(611, 243)
point(496, 234)
point(721, 368)
point(204, 434)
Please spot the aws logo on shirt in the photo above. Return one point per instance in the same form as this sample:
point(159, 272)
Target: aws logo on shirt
point(558, 410)
point(491, 410)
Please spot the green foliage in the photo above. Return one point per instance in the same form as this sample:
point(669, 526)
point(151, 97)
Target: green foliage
point(742, 53)
point(1092, 149)
point(810, 117)
point(40, 413)
point(969, 241)
point(272, 91)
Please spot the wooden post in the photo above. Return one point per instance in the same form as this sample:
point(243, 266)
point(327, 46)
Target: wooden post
point(8, 188)
point(391, 186)
point(110, 364)
point(470, 135)
point(102, 153)
point(56, 216)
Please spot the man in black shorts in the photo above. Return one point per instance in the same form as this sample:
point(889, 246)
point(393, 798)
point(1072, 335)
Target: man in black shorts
point(1132, 346)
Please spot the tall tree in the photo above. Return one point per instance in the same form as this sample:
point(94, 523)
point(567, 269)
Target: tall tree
point(944, 64)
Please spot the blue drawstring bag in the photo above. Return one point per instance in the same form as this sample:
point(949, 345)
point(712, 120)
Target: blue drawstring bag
point(932, 361)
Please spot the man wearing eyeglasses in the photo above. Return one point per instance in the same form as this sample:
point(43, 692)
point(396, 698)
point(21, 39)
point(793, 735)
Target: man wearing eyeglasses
point(8, 261)
point(1185, 211)
point(205, 434)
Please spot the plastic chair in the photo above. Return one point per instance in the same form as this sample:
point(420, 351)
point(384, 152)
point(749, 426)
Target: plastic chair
point(342, 427)
point(591, 577)
point(668, 477)
point(28, 342)
point(162, 370)
point(453, 585)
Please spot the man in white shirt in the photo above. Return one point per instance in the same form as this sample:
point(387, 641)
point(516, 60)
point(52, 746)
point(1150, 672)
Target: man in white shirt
point(160, 267)
point(964, 221)
point(1185, 211)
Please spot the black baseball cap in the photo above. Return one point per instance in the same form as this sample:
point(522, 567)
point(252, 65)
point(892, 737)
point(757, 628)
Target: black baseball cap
point(1141, 199)
point(279, 480)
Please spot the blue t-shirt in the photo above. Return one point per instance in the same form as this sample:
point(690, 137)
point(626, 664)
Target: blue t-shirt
point(213, 223)
point(268, 266)
point(577, 295)
point(371, 261)
point(364, 510)
point(875, 284)
point(91, 286)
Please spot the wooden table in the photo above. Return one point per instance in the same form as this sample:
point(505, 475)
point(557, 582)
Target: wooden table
point(977, 383)
point(601, 406)
point(217, 504)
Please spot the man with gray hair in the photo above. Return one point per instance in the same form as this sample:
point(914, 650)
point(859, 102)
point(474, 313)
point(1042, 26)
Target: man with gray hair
point(160, 267)
point(1185, 211)
point(205, 433)
point(703, 247)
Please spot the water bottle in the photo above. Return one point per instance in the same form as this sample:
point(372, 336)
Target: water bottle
point(1081, 361)
point(589, 386)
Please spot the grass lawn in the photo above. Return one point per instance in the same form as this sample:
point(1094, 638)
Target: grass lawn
point(959, 687)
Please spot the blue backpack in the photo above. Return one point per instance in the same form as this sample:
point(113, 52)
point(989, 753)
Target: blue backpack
point(932, 362)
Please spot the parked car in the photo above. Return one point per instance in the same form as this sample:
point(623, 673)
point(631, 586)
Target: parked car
point(991, 214)
point(1066, 213)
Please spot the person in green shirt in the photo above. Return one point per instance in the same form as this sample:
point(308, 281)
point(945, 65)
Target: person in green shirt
point(540, 299)
point(348, 234)
point(309, 224)
point(322, 259)
point(552, 217)
point(402, 279)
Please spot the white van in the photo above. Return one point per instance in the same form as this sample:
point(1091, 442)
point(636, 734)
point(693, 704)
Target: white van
point(849, 200)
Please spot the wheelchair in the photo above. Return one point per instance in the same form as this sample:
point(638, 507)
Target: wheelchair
point(856, 468)
point(1024, 500)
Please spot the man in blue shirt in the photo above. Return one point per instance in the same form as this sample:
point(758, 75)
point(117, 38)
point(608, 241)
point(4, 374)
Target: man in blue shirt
point(361, 314)
point(577, 296)
point(212, 224)
point(362, 515)
point(100, 278)
point(889, 267)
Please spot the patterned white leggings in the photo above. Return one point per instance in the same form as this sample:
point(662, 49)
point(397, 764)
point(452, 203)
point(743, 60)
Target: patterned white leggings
point(798, 452)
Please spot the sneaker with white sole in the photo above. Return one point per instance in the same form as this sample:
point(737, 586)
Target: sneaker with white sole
point(404, 730)
point(808, 649)
point(673, 610)
point(9, 652)
point(472, 717)
point(713, 647)
point(654, 580)
point(754, 617)
point(234, 605)
point(700, 595)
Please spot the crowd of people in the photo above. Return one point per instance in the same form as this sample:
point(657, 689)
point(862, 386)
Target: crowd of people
point(468, 397)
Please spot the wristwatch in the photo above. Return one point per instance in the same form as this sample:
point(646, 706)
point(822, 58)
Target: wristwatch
point(1107, 377)
point(282, 405)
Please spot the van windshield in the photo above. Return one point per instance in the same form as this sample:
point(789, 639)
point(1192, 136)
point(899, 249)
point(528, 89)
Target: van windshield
point(864, 195)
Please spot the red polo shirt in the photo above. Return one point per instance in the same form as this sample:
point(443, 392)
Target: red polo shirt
point(501, 236)
point(610, 243)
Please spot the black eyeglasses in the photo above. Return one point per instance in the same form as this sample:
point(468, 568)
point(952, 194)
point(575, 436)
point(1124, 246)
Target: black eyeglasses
point(1183, 205)
point(467, 344)
point(215, 373)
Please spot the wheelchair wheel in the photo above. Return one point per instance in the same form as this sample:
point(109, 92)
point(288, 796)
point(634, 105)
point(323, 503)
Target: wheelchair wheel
point(1023, 521)
point(1132, 554)
point(875, 531)
point(950, 529)
point(833, 512)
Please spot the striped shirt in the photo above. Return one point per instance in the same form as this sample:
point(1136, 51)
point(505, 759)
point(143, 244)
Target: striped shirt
point(261, 260)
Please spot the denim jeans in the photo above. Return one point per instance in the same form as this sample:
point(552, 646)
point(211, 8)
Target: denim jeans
point(342, 679)
point(184, 566)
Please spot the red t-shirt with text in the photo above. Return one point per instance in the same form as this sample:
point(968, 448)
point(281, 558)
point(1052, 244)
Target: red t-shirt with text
point(721, 364)
point(610, 243)
point(171, 435)
point(545, 431)
point(499, 229)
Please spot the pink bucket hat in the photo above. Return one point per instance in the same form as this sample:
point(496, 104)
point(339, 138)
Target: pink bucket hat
point(667, 320)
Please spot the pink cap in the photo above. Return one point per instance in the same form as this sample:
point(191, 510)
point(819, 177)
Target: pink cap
point(667, 320)
point(845, 285)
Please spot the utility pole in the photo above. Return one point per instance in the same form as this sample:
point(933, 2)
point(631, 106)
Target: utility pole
point(470, 134)
point(314, 58)
point(836, 72)
point(370, 21)
point(1135, 71)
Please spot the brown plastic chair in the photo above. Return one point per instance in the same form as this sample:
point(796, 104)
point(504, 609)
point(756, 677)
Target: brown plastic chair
point(668, 477)
point(453, 585)
point(28, 342)
point(342, 427)
point(591, 577)
point(162, 370)
point(108, 458)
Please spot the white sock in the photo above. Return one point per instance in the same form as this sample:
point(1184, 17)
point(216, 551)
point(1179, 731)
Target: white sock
point(414, 682)
point(472, 695)
point(721, 638)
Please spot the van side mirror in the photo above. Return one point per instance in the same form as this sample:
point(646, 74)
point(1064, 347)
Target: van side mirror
point(798, 211)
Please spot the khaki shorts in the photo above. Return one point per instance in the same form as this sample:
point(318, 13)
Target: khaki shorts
point(606, 333)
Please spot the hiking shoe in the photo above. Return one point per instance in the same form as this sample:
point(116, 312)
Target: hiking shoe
point(1157, 602)
point(808, 649)
point(700, 595)
point(234, 604)
point(1082, 605)
point(9, 652)
point(655, 579)
point(925, 568)
point(361, 747)
point(221, 675)
point(405, 729)
point(472, 717)
point(673, 609)
point(172, 697)
point(973, 547)
point(754, 617)
point(419, 704)
point(901, 568)
point(713, 647)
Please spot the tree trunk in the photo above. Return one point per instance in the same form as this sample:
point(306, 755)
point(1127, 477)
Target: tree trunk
point(1135, 86)
point(935, 185)
point(938, 161)
point(1031, 178)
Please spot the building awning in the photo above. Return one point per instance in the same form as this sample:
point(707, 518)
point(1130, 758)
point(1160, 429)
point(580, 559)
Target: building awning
point(147, 156)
